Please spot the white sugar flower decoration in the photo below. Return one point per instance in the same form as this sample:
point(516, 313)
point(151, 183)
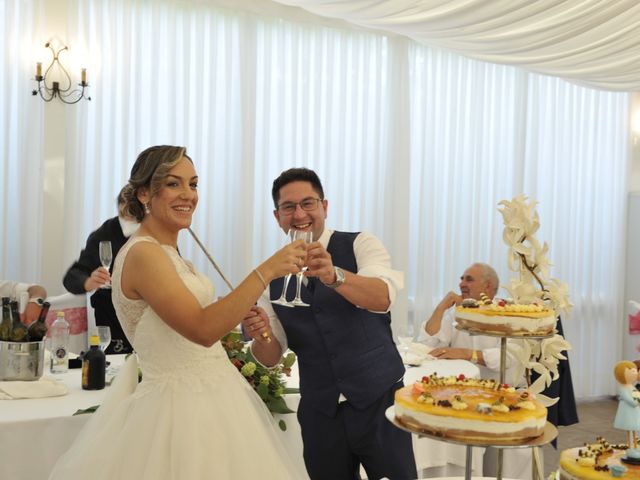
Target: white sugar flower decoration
point(529, 258)
point(541, 357)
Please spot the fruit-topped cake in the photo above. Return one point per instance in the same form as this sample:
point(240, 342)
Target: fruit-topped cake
point(505, 317)
point(599, 461)
point(474, 409)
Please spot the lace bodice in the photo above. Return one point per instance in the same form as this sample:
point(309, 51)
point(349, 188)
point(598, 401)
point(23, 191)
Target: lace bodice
point(163, 353)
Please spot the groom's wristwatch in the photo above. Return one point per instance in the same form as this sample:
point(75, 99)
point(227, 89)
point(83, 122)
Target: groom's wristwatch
point(339, 278)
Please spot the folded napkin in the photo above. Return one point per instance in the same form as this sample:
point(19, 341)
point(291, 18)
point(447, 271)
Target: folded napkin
point(44, 387)
point(417, 353)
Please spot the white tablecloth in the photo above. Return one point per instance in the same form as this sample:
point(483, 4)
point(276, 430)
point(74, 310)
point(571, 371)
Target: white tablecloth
point(35, 432)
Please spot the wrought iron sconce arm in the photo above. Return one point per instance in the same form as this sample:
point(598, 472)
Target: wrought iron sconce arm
point(48, 90)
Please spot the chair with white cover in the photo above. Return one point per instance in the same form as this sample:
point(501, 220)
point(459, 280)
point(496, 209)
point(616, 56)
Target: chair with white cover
point(75, 312)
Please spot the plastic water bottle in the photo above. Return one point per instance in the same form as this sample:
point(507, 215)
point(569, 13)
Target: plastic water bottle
point(60, 344)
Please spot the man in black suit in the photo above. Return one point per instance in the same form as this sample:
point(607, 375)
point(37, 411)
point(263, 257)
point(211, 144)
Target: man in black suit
point(87, 274)
point(349, 366)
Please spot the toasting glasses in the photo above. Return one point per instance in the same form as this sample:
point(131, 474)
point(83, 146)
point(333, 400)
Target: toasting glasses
point(297, 301)
point(104, 250)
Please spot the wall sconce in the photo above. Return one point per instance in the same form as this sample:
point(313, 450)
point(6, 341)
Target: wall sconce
point(49, 89)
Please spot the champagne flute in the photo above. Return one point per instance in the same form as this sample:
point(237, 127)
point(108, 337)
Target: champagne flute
point(106, 256)
point(283, 297)
point(104, 336)
point(406, 339)
point(307, 236)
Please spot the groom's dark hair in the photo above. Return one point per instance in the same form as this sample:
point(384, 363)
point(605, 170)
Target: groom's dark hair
point(296, 175)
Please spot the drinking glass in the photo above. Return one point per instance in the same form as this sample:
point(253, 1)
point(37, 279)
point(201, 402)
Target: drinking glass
point(104, 335)
point(283, 297)
point(307, 236)
point(406, 339)
point(104, 250)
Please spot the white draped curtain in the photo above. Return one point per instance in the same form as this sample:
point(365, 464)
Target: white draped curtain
point(592, 42)
point(414, 144)
point(21, 134)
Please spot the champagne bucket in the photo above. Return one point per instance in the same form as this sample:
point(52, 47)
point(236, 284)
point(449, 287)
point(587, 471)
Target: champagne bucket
point(21, 360)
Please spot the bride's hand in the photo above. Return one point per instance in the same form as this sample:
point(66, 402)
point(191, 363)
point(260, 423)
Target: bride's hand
point(289, 259)
point(256, 323)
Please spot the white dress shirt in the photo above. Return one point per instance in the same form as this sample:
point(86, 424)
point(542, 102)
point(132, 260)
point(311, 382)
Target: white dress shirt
point(373, 261)
point(14, 289)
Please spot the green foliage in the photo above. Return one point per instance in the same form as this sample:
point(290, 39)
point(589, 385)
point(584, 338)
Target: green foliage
point(269, 383)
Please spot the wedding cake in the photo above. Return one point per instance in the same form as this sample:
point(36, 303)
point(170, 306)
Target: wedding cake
point(599, 461)
point(507, 318)
point(472, 409)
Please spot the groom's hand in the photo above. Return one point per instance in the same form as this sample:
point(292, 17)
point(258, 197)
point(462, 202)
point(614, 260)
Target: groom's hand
point(256, 323)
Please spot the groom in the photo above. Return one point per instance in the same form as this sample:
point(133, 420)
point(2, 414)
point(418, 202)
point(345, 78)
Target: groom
point(349, 365)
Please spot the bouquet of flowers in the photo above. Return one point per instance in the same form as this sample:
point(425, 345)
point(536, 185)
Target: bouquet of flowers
point(533, 285)
point(269, 383)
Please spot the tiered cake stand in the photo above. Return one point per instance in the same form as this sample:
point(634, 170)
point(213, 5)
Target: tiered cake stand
point(550, 432)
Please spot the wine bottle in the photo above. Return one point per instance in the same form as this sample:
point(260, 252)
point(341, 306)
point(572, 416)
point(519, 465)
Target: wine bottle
point(37, 330)
point(93, 366)
point(5, 325)
point(18, 330)
point(60, 344)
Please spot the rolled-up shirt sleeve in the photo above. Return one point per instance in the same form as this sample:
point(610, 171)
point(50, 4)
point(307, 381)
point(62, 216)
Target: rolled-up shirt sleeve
point(444, 336)
point(13, 289)
point(374, 261)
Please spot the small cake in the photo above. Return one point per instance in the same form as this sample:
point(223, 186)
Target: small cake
point(474, 409)
point(598, 461)
point(502, 317)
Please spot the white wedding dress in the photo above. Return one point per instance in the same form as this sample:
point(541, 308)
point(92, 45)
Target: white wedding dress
point(192, 417)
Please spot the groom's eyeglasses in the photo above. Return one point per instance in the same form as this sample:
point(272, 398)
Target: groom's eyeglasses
point(307, 204)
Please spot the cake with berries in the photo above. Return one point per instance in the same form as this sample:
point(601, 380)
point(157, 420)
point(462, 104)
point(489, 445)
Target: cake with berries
point(599, 461)
point(503, 317)
point(471, 409)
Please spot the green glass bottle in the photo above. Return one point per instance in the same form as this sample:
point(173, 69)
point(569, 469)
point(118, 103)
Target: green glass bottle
point(5, 325)
point(37, 330)
point(18, 330)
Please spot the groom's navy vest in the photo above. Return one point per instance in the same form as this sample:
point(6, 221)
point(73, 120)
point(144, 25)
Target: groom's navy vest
point(341, 348)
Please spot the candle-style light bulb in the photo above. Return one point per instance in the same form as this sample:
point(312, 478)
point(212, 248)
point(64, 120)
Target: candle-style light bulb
point(83, 76)
point(38, 69)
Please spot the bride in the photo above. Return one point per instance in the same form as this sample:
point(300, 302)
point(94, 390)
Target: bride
point(193, 416)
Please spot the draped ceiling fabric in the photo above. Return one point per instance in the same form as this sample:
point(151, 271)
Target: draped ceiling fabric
point(595, 43)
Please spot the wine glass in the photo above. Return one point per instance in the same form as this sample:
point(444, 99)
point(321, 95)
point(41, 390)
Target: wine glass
point(406, 339)
point(283, 297)
point(104, 336)
point(307, 236)
point(106, 256)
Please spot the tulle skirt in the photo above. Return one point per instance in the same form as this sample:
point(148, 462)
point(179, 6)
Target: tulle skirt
point(167, 430)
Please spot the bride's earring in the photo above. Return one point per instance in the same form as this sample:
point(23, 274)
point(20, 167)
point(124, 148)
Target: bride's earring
point(146, 209)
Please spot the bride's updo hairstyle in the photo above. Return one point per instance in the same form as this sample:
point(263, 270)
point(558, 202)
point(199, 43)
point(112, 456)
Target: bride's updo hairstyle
point(149, 171)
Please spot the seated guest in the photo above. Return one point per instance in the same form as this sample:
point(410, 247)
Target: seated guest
point(36, 294)
point(87, 274)
point(440, 332)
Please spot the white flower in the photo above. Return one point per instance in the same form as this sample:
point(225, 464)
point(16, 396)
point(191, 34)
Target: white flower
point(530, 259)
point(558, 296)
point(522, 292)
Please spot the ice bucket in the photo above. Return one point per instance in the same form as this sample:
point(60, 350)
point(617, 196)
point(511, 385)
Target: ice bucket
point(21, 360)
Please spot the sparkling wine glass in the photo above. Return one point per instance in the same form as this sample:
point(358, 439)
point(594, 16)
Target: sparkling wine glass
point(307, 236)
point(405, 340)
point(106, 256)
point(104, 335)
point(283, 296)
